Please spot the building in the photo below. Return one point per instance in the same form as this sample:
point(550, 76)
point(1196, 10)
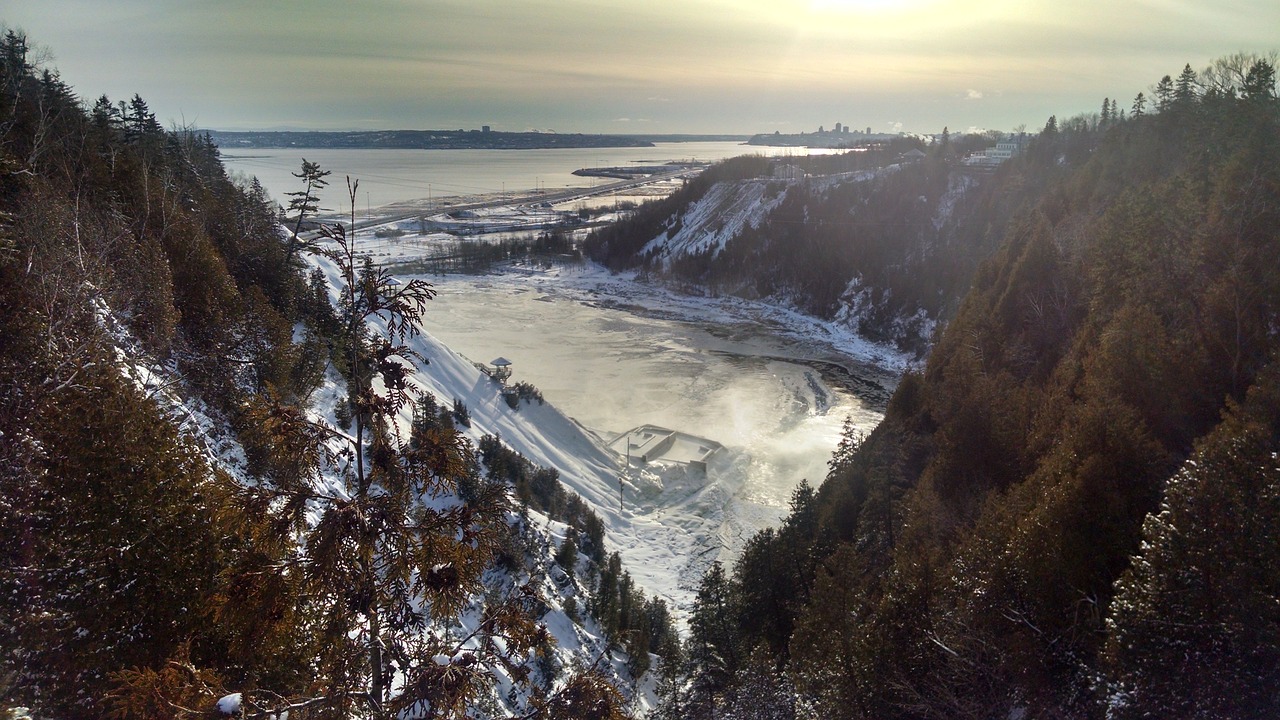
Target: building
point(651, 443)
point(501, 369)
point(1004, 150)
point(787, 171)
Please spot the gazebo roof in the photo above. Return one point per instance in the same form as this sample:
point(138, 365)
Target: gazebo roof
point(500, 362)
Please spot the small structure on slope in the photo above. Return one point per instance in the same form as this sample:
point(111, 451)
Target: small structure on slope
point(501, 369)
point(650, 443)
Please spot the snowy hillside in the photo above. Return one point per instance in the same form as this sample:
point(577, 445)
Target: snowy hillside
point(728, 208)
point(715, 219)
point(665, 552)
point(881, 248)
point(540, 433)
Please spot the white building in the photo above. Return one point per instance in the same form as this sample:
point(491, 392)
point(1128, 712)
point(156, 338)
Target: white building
point(1004, 150)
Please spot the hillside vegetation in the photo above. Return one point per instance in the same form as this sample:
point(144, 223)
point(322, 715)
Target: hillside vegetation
point(865, 238)
point(1072, 510)
point(185, 532)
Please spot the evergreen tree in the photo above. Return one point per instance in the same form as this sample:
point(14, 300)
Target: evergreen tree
point(567, 556)
point(712, 649)
point(139, 121)
point(759, 693)
point(384, 567)
point(1164, 94)
point(1260, 82)
point(104, 113)
point(1187, 87)
point(1194, 629)
point(1139, 106)
point(304, 202)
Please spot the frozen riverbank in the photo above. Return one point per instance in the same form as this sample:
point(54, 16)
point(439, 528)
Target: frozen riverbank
point(772, 386)
point(610, 353)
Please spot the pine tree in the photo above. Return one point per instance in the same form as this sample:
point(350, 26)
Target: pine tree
point(139, 121)
point(1164, 94)
point(712, 648)
point(1139, 105)
point(1187, 87)
point(383, 567)
point(1260, 82)
point(567, 556)
point(1194, 628)
point(304, 202)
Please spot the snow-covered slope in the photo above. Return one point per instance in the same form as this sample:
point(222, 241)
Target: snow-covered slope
point(727, 209)
point(541, 433)
point(716, 218)
point(887, 236)
point(665, 552)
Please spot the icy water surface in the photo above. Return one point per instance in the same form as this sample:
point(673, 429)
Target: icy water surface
point(388, 176)
point(612, 366)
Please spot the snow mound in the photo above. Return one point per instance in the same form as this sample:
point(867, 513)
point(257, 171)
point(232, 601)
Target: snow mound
point(229, 704)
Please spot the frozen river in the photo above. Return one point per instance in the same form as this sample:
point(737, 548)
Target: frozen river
point(615, 354)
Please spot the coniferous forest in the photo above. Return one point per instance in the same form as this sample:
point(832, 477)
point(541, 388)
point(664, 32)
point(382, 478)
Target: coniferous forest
point(150, 305)
point(1070, 510)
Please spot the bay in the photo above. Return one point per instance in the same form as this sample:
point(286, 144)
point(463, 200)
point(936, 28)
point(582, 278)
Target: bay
point(390, 176)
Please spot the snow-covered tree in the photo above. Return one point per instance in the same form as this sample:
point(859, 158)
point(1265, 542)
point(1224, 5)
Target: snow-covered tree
point(1195, 625)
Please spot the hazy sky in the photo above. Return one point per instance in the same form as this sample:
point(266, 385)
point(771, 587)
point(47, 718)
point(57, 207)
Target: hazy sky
point(653, 66)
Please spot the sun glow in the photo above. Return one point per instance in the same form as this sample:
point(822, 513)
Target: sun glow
point(877, 7)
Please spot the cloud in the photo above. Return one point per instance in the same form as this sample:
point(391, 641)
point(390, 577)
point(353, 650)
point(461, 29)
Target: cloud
point(698, 65)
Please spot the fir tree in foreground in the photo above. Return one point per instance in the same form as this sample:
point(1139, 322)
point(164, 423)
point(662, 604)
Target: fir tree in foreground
point(146, 297)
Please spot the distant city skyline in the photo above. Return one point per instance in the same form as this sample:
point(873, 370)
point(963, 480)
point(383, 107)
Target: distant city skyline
point(607, 66)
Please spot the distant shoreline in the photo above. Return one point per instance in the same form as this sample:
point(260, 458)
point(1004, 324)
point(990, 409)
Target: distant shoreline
point(443, 140)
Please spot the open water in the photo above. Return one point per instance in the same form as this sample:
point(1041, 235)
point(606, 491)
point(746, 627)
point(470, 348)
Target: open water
point(389, 176)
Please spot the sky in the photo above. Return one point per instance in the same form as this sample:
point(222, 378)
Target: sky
point(632, 66)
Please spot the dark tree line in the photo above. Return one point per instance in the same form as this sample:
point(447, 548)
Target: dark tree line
point(1070, 511)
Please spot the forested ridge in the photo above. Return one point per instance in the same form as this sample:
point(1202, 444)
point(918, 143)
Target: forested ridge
point(867, 238)
point(1072, 510)
point(185, 537)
